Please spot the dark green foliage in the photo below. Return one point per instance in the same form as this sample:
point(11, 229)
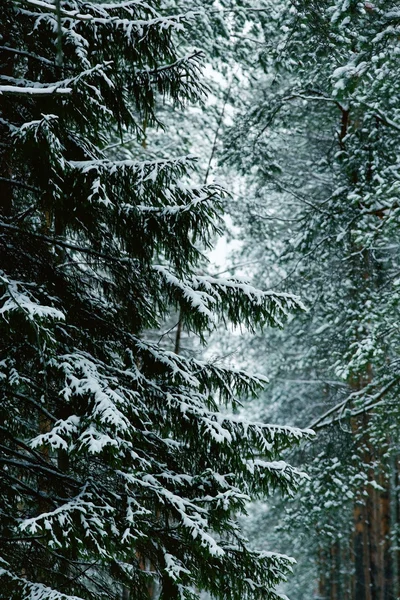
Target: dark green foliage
point(118, 469)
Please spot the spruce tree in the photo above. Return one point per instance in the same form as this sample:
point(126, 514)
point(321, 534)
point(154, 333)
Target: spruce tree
point(121, 470)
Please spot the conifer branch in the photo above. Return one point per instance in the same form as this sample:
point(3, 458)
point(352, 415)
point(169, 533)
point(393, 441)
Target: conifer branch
point(28, 55)
point(65, 244)
point(15, 90)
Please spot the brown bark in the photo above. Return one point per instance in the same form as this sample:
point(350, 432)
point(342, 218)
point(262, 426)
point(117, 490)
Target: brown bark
point(394, 521)
point(372, 523)
point(384, 583)
point(358, 549)
point(385, 551)
point(366, 554)
point(322, 576)
point(334, 572)
point(347, 568)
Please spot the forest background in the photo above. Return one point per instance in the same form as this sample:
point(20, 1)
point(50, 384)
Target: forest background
point(305, 136)
point(301, 125)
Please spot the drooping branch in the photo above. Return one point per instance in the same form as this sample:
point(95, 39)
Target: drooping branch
point(64, 244)
point(27, 54)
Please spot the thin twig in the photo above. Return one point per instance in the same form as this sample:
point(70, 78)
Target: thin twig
point(27, 54)
point(64, 244)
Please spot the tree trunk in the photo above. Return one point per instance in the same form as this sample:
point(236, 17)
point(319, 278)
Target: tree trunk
point(394, 527)
point(322, 574)
point(366, 554)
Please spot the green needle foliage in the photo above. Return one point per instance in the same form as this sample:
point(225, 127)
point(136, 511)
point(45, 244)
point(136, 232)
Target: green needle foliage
point(120, 473)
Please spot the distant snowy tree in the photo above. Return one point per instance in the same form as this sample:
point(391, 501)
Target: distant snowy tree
point(319, 138)
point(122, 465)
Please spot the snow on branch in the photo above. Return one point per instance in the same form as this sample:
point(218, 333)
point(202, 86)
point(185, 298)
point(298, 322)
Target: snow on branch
point(35, 591)
point(16, 300)
point(103, 14)
point(212, 297)
point(87, 515)
point(197, 373)
point(17, 90)
point(356, 403)
point(273, 468)
point(201, 301)
point(186, 212)
point(191, 515)
point(147, 170)
point(110, 404)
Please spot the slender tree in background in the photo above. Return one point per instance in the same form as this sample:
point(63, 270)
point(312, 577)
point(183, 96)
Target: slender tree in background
point(321, 135)
point(120, 473)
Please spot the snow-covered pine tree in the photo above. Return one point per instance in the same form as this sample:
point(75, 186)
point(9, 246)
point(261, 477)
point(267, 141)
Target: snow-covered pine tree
point(119, 469)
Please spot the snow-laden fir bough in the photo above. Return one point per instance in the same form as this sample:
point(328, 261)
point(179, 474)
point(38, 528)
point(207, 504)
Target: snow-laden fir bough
point(118, 468)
